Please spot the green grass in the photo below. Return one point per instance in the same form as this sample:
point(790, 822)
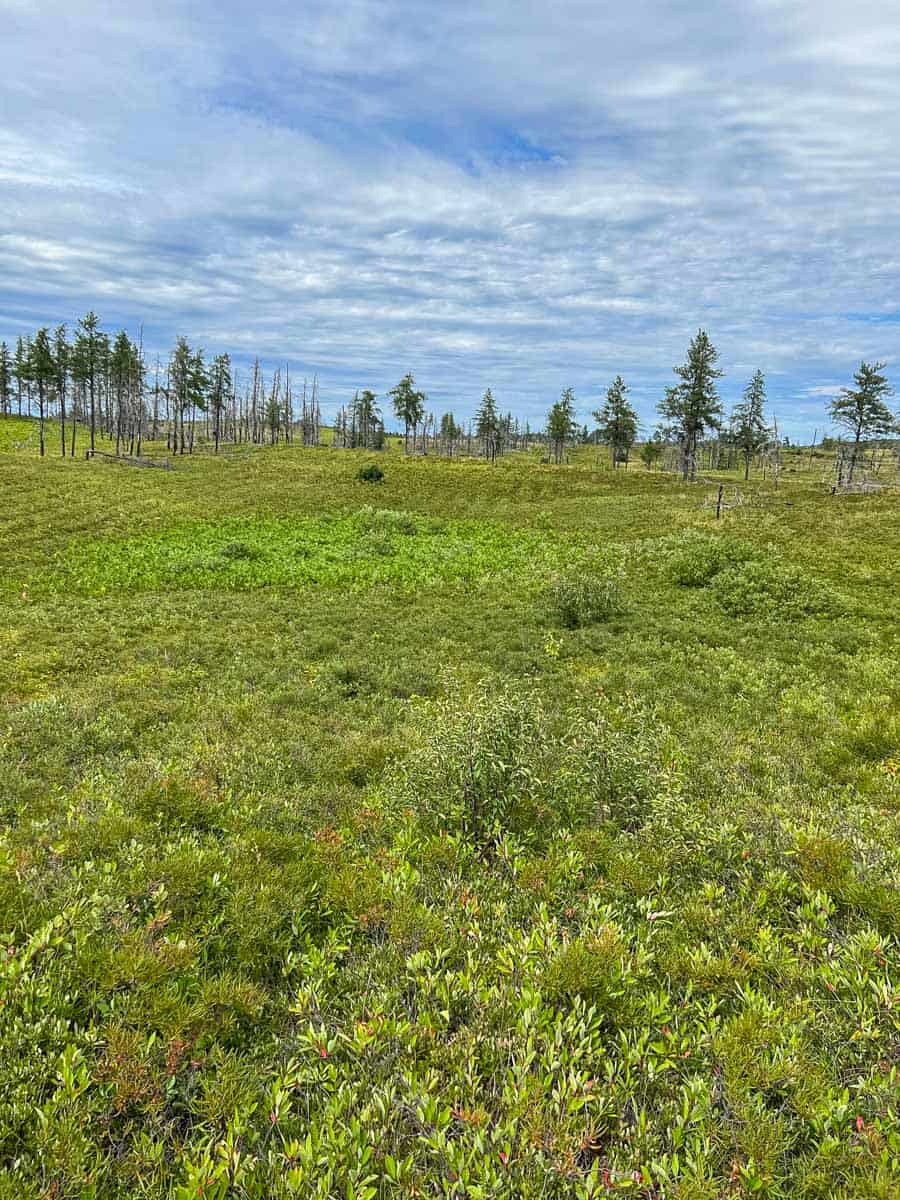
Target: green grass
point(509, 831)
point(352, 550)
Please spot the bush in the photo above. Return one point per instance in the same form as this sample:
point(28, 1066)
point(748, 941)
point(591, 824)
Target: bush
point(474, 764)
point(694, 558)
point(586, 599)
point(371, 473)
point(388, 522)
point(769, 588)
point(593, 967)
point(238, 552)
point(492, 763)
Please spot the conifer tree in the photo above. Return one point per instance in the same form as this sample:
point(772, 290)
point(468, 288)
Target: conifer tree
point(487, 427)
point(220, 390)
point(366, 415)
point(409, 407)
point(88, 358)
point(42, 372)
point(61, 361)
point(21, 372)
point(561, 424)
point(5, 378)
point(862, 410)
point(617, 422)
point(749, 430)
point(692, 406)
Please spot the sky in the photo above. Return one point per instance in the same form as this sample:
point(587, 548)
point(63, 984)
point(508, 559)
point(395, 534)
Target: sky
point(496, 193)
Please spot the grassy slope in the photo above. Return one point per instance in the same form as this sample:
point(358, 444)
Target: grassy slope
point(260, 942)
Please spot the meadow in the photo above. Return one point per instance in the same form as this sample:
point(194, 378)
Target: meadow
point(489, 831)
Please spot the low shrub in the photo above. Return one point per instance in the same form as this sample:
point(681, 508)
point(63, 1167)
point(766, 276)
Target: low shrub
point(693, 558)
point(593, 967)
point(387, 521)
point(475, 764)
point(238, 552)
point(580, 599)
point(492, 763)
point(769, 588)
point(370, 473)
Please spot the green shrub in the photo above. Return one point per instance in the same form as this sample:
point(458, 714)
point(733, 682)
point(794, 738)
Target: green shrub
point(769, 588)
point(387, 522)
point(474, 765)
point(492, 762)
point(693, 558)
point(593, 967)
point(370, 473)
point(586, 599)
point(238, 552)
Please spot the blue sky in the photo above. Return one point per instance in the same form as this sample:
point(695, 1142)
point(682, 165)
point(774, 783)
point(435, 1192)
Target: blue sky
point(509, 194)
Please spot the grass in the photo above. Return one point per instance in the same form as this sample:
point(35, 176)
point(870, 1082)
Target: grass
point(356, 844)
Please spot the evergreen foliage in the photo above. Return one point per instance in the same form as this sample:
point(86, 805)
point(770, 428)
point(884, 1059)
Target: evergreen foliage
point(749, 430)
point(617, 422)
point(862, 410)
point(692, 406)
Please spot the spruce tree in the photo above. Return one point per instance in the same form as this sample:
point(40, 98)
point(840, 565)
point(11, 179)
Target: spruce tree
point(42, 372)
point(617, 422)
point(487, 427)
point(862, 410)
point(21, 371)
point(88, 358)
point(61, 355)
point(692, 406)
point(409, 407)
point(5, 378)
point(749, 430)
point(561, 424)
point(367, 416)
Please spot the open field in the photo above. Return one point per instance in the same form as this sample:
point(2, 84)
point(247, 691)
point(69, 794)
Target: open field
point(491, 831)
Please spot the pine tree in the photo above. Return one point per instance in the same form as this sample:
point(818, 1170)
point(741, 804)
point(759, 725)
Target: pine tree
point(692, 405)
point(561, 424)
point(21, 372)
point(5, 378)
point(220, 390)
point(61, 361)
point(409, 407)
point(862, 410)
point(42, 372)
point(617, 422)
point(88, 358)
point(749, 430)
point(487, 426)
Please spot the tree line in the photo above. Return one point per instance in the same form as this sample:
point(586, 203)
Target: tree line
point(102, 384)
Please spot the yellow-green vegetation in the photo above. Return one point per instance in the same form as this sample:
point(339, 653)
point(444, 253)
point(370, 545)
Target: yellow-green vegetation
point(505, 831)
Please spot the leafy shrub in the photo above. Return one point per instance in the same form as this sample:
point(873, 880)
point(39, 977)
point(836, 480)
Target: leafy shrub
point(586, 599)
point(492, 762)
point(238, 552)
point(387, 521)
point(351, 679)
point(475, 764)
point(370, 473)
point(693, 558)
point(769, 588)
point(613, 765)
point(593, 967)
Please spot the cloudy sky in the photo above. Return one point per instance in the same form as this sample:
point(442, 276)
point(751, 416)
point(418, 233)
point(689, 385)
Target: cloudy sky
point(499, 192)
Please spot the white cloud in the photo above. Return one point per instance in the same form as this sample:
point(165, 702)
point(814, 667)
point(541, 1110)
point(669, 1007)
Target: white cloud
point(486, 193)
